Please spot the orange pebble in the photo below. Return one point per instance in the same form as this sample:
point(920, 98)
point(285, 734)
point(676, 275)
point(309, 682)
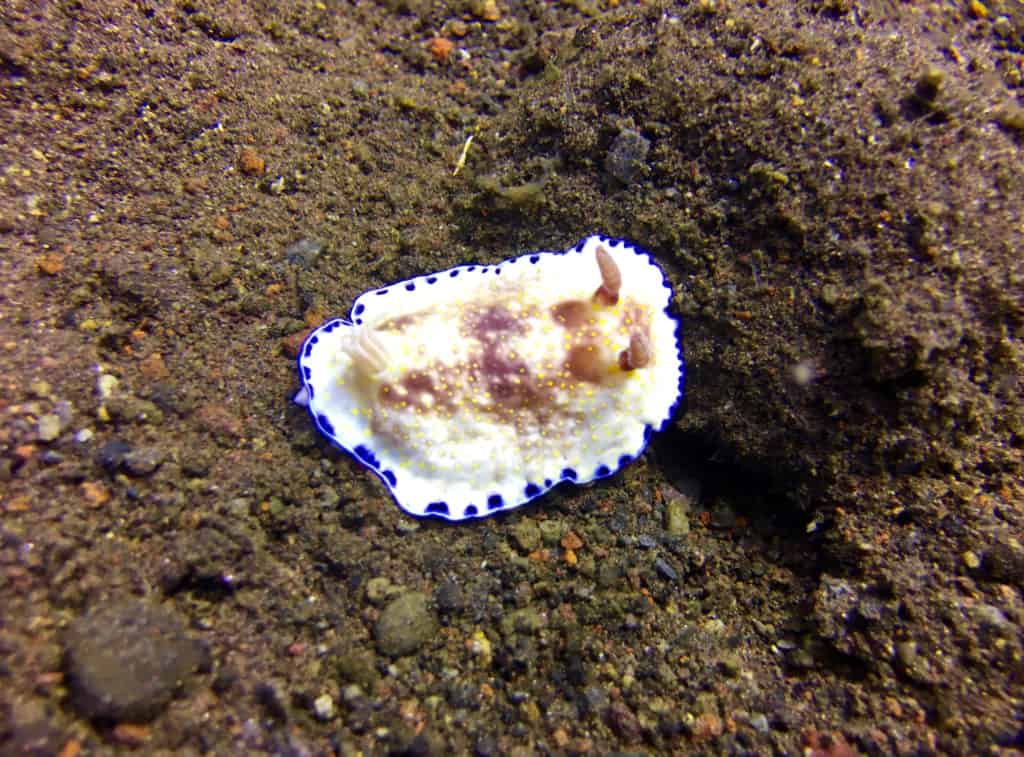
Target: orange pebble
point(571, 541)
point(441, 48)
point(251, 163)
point(131, 734)
point(96, 494)
point(51, 264)
point(17, 505)
point(154, 368)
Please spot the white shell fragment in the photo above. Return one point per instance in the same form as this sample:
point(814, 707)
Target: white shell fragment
point(477, 389)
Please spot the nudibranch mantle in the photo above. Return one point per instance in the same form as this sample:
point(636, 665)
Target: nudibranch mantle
point(477, 389)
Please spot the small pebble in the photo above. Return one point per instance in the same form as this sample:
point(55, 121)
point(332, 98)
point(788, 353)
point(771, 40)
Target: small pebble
point(51, 263)
point(142, 461)
point(480, 646)
point(357, 667)
point(95, 494)
point(526, 534)
point(40, 389)
point(571, 541)
point(449, 597)
point(628, 156)
point(106, 384)
point(1010, 116)
point(708, 725)
point(485, 9)
point(551, 532)
point(731, 665)
point(112, 454)
point(380, 589)
point(527, 620)
point(457, 28)
point(440, 48)
point(623, 722)
point(646, 541)
point(993, 618)
point(49, 427)
point(131, 734)
point(906, 653)
point(665, 570)
point(154, 368)
point(352, 694)
point(677, 510)
point(323, 707)
point(405, 625)
point(250, 163)
point(64, 411)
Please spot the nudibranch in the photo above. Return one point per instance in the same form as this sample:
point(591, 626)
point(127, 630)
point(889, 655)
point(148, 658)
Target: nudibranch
point(477, 389)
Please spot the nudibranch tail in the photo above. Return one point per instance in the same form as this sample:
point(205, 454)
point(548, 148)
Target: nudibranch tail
point(477, 389)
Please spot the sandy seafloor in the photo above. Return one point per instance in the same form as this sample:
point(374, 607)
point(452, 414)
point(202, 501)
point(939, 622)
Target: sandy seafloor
point(822, 554)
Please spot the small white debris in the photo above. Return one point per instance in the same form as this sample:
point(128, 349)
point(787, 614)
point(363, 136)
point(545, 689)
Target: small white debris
point(48, 428)
point(323, 707)
point(462, 156)
point(803, 373)
point(106, 384)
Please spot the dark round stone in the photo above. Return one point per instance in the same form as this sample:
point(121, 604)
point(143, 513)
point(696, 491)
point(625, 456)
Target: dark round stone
point(112, 454)
point(126, 660)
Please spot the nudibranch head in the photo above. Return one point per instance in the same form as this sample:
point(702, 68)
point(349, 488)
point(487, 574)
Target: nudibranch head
point(477, 389)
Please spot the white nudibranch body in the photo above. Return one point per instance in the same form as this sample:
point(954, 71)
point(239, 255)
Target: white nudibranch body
point(477, 389)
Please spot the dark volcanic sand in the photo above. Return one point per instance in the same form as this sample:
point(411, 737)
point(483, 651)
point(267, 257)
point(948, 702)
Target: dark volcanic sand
point(825, 550)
